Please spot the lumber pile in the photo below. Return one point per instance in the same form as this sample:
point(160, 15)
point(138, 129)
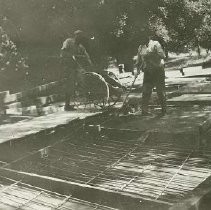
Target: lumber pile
point(33, 101)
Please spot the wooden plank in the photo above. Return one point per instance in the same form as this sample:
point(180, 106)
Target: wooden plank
point(191, 99)
point(35, 125)
point(3, 95)
point(45, 100)
point(194, 71)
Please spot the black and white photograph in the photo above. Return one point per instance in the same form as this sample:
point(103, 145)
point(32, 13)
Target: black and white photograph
point(105, 105)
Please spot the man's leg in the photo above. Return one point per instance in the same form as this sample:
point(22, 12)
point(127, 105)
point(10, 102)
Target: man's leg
point(69, 92)
point(146, 94)
point(80, 74)
point(160, 88)
point(67, 99)
point(162, 99)
point(66, 74)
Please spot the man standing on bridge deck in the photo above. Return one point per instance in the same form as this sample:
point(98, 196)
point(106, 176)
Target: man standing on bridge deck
point(75, 62)
point(150, 60)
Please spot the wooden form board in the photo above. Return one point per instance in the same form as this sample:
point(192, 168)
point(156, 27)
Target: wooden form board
point(192, 99)
point(19, 195)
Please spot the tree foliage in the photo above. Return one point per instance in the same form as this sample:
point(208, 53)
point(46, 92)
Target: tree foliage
point(9, 56)
point(117, 25)
point(12, 65)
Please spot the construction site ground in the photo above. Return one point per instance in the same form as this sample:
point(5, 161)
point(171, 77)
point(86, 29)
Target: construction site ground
point(87, 159)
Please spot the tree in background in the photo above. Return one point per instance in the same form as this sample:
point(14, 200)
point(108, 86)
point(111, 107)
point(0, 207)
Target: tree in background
point(12, 65)
point(184, 21)
point(204, 33)
point(111, 22)
point(116, 27)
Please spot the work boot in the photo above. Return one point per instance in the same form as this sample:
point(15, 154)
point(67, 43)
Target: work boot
point(69, 108)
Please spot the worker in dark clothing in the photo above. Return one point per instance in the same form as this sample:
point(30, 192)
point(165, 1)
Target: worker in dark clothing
point(150, 60)
point(75, 62)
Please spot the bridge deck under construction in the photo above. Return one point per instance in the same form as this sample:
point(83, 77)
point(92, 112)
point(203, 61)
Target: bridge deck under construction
point(129, 163)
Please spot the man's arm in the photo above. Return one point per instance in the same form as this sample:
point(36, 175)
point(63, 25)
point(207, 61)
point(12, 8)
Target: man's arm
point(66, 48)
point(86, 55)
point(88, 58)
point(139, 61)
point(160, 50)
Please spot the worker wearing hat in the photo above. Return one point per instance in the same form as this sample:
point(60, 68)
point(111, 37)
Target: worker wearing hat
point(75, 61)
point(150, 59)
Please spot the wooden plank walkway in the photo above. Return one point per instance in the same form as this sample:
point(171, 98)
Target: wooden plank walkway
point(26, 127)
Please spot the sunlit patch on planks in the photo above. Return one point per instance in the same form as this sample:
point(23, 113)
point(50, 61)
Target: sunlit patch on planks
point(158, 172)
point(18, 195)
